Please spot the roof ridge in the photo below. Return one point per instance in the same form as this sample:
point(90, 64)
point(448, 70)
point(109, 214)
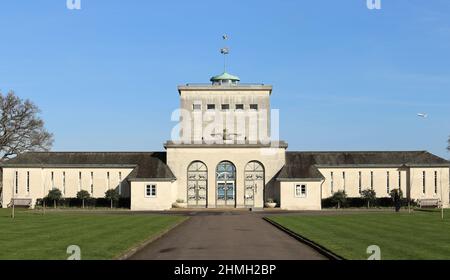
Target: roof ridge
point(377, 151)
point(93, 152)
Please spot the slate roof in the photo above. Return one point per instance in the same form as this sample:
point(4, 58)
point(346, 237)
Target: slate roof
point(304, 165)
point(147, 165)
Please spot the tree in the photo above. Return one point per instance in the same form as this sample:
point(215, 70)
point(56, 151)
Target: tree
point(393, 193)
point(369, 196)
point(21, 129)
point(83, 195)
point(396, 195)
point(448, 147)
point(54, 195)
point(339, 198)
point(112, 195)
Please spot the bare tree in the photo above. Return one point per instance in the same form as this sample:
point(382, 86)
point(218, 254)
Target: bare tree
point(21, 128)
point(448, 147)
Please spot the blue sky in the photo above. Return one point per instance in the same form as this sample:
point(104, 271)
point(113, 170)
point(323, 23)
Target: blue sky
point(345, 77)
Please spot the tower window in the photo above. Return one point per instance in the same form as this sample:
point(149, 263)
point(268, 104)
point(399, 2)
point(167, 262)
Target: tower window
point(197, 107)
point(239, 106)
point(211, 106)
point(253, 106)
point(225, 107)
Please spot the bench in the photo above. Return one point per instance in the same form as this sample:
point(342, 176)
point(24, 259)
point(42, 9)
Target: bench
point(429, 202)
point(20, 202)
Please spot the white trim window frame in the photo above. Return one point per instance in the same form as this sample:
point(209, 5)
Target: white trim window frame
point(300, 190)
point(151, 191)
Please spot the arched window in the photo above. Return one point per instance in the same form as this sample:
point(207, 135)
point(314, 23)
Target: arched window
point(197, 184)
point(226, 184)
point(254, 181)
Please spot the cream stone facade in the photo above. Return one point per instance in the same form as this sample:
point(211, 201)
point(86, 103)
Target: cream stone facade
point(224, 154)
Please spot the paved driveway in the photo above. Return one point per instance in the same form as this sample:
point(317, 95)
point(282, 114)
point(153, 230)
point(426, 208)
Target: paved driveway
point(226, 235)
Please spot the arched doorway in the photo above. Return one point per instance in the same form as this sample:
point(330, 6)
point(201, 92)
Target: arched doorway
point(226, 184)
point(254, 182)
point(197, 184)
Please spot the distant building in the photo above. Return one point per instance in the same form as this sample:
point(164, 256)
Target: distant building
point(225, 158)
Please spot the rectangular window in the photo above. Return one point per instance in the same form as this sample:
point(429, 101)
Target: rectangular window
point(197, 106)
point(120, 183)
point(108, 181)
point(300, 190)
point(360, 182)
point(211, 106)
point(399, 180)
point(150, 191)
point(64, 182)
point(423, 181)
point(387, 182)
point(16, 182)
point(435, 182)
point(53, 180)
point(239, 106)
point(332, 182)
point(28, 181)
point(92, 182)
point(79, 181)
point(371, 180)
point(253, 106)
point(225, 107)
point(343, 179)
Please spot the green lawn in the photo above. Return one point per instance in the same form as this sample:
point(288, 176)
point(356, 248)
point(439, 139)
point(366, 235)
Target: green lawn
point(31, 235)
point(419, 235)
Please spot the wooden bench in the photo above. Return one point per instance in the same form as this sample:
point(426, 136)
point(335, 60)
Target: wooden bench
point(20, 202)
point(429, 202)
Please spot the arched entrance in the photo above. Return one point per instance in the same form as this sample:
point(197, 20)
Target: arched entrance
point(197, 184)
point(254, 182)
point(226, 184)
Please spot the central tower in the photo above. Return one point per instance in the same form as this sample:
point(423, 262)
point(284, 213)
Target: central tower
point(223, 155)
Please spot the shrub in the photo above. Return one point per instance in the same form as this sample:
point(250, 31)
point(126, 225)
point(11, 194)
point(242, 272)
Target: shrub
point(369, 196)
point(339, 199)
point(83, 195)
point(123, 202)
point(112, 195)
point(54, 195)
point(359, 202)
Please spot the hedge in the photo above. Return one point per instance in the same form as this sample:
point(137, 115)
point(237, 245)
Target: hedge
point(358, 202)
point(124, 202)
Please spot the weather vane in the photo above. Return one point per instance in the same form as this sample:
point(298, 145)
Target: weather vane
point(225, 51)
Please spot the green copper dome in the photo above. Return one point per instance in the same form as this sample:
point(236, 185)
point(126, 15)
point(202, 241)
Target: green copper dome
point(225, 77)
